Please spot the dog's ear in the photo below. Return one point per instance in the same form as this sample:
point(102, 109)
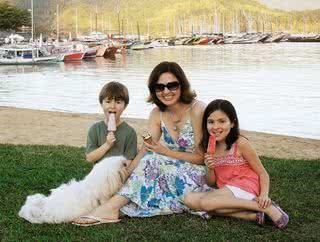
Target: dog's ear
point(126, 163)
point(123, 174)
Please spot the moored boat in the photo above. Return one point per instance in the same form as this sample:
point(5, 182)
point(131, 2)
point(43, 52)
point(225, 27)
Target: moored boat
point(24, 56)
point(201, 41)
point(72, 56)
point(90, 53)
point(110, 52)
point(100, 50)
point(140, 46)
point(302, 38)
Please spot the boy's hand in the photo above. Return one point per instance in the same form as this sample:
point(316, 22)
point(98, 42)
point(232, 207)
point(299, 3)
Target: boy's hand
point(208, 161)
point(110, 139)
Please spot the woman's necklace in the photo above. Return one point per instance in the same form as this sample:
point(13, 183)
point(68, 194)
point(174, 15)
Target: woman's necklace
point(175, 126)
point(176, 120)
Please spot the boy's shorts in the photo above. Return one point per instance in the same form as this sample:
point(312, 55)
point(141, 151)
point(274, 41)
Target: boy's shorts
point(240, 193)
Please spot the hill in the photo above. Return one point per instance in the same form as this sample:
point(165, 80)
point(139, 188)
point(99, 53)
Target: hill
point(168, 17)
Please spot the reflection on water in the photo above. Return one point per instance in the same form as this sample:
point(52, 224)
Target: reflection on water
point(274, 87)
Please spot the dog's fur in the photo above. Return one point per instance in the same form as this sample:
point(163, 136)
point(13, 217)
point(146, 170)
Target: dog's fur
point(76, 198)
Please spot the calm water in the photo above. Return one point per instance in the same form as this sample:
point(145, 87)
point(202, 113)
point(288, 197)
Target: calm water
point(275, 87)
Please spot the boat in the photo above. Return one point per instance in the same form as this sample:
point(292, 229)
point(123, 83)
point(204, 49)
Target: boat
point(304, 38)
point(100, 50)
point(90, 53)
point(158, 44)
point(276, 38)
point(25, 55)
point(201, 41)
point(140, 45)
point(110, 52)
point(72, 56)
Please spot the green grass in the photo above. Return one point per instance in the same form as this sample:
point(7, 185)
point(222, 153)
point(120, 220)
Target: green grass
point(25, 170)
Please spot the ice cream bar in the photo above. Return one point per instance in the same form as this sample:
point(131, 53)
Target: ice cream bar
point(211, 145)
point(147, 138)
point(112, 122)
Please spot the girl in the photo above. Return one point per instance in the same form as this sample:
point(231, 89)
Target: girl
point(236, 170)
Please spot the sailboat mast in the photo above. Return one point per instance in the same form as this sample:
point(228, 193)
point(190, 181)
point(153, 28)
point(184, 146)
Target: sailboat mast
point(58, 23)
point(32, 24)
point(96, 19)
point(76, 22)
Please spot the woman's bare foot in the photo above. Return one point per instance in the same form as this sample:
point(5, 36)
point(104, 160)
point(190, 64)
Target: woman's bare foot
point(104, 212)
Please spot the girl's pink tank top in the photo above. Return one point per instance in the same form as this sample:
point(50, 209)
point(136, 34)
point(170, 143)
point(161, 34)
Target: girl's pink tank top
point(236, 171)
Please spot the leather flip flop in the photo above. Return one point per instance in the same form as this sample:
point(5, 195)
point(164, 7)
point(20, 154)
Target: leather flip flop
point(96, 221)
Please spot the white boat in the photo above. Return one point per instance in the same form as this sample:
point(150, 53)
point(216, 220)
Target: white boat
point(25, 55)
point(140, 46)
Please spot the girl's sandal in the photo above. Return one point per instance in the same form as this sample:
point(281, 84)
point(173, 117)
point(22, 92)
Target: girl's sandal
point(283, 221)
point(260, 218)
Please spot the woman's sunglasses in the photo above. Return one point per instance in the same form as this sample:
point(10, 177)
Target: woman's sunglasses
point(171, 86)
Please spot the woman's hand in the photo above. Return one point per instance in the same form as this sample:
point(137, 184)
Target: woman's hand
point(208, 161)
point(156, 147)
point(263, 201)
point(110, 139)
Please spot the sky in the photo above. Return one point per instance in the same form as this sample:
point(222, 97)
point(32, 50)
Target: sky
point(292, 4)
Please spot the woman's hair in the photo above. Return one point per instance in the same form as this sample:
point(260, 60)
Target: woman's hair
point(187, 95)
point(114, 90)
point(226, 107)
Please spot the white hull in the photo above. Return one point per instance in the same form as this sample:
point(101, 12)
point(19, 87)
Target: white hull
point(22, 61)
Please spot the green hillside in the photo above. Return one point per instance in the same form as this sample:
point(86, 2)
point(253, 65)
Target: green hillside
point(169, 17)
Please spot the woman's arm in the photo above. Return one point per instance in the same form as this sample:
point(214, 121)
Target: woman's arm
point(210, 177)
point(154, 130)
point(251, 156)
point(196, 121)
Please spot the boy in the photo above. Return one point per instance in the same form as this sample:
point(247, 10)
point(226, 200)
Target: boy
point(113, 98)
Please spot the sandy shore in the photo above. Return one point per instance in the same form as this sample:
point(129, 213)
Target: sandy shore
point(26, 126)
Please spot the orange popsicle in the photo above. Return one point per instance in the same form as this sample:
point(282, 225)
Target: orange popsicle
point(211, 145)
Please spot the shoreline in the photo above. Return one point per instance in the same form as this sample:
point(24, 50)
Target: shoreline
point(37, 127)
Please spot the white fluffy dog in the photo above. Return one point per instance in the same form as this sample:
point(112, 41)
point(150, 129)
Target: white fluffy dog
point(76, 198)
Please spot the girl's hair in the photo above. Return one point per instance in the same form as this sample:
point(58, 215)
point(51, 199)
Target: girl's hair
point(226, 107)
point(187, 95)
point(114, 90)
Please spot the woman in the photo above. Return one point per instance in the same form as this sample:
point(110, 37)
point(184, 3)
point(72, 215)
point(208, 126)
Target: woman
point(162, 172)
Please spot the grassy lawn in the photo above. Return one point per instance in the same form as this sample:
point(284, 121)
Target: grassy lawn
point(25, 170)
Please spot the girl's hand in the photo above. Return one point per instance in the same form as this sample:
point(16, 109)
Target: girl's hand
point(110, 139)
point(208, 161)
point(156, 147)
point(263, 201)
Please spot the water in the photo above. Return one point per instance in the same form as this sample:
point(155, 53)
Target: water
point(274, 87)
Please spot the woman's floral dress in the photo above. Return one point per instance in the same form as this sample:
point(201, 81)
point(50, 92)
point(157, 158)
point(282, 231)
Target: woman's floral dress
point(158, 184)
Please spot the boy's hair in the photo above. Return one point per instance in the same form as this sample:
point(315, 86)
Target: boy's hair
point(114, 90)
point(226, 107)
point(187, 95)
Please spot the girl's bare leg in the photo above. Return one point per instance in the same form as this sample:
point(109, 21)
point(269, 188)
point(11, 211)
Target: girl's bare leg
point(193, 199)
point(237, 213)
point(226, 200)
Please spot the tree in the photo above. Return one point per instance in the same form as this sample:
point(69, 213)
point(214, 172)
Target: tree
point(12, 17)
